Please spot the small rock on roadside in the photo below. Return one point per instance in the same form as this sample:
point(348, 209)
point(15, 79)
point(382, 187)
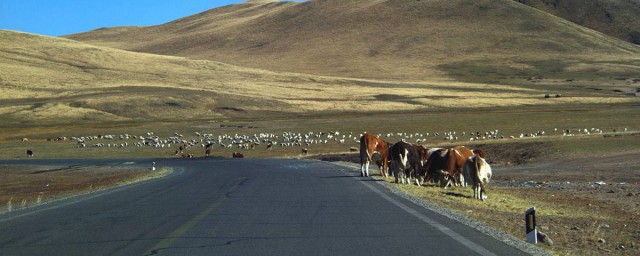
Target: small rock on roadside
point(542, 237)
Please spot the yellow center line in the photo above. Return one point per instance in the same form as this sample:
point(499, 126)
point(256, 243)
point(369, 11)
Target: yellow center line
point(171, 238)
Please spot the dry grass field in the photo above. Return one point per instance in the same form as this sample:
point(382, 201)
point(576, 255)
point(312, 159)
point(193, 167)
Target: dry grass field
point(28, 186)
point(57, 81)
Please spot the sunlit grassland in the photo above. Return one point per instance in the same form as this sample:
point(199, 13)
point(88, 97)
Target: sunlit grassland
point(49, 81)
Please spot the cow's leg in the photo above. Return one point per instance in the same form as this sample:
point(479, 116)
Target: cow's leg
point(483, 195)
point(395, 174)
point(393, 169)
point(384, 169)
point(406, 178)
point(444, 180)
point(365, 171)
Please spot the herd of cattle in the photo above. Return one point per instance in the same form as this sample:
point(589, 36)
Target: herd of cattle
point(457, 166)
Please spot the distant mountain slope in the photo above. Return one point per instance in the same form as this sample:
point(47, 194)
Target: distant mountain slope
point(379, 39)
point(617, 18)
point(47, 80)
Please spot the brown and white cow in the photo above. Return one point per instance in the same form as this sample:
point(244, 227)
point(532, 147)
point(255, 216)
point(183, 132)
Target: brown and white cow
point(446, 165)
point(477, 172)
point(369, 145)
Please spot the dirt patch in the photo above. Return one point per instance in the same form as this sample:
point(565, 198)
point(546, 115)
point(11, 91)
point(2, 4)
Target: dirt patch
point(514, 153)
point(338, 157)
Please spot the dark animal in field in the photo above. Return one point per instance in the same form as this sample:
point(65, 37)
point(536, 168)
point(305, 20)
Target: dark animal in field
point(237, 155)
point(369, 145)
point(406, 160)
point(29, 153)
point(436, 163)
point(305, 151)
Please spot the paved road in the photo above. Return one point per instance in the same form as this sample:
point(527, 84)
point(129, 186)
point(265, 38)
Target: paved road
point(242, 207)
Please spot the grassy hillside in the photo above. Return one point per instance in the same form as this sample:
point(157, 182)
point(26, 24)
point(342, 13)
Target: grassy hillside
point(617, 18)
point(48, 80)
point(485, 40)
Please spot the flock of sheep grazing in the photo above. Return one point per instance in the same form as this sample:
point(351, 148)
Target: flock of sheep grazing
point(300, 142)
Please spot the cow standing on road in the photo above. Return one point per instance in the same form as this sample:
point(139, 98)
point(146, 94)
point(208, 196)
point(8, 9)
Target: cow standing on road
point(369, 145)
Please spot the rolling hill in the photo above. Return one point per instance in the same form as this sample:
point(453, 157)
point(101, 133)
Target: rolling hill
point(47, 80)
point(322, 58)
point(617, 18)
point(484, 40)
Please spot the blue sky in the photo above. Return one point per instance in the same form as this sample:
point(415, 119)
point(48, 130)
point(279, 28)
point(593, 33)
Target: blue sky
point(63, 17)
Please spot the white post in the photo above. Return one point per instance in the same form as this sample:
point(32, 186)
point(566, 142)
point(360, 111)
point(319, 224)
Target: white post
point(153, 166)
point(530, 225)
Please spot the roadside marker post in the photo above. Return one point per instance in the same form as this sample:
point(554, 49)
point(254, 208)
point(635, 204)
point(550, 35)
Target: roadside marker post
point(530, 225)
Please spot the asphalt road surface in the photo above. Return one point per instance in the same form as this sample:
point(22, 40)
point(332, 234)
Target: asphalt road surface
point(240, 207)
